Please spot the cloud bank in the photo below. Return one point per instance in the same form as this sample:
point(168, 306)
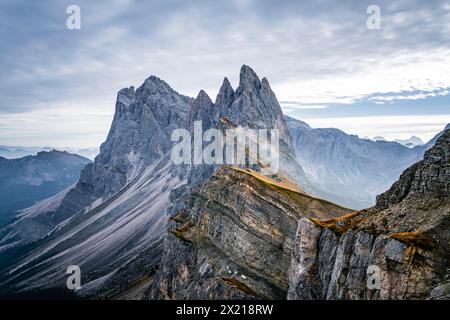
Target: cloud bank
point(315, 54)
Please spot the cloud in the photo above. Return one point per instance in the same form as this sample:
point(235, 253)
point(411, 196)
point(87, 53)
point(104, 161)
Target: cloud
point(313, 53)
point(291, 105)
point(395, 73)
point(391, 127)
point(57, 126)
point(415, 96)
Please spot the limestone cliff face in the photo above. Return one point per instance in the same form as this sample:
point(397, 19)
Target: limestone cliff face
point(406, 235)
point(234, 238)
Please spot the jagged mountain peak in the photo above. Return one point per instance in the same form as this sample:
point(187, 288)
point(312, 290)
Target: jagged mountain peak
point(265, 82)
point(203, 96)
point(156, 82)
point(248, 80)
point(226, 96)
point(154, 86)
point(126, 91)
point(226, 89)
point(125, 97)
point(203, 109)
point(247, 71)
point(226, 85)
point(253, 104)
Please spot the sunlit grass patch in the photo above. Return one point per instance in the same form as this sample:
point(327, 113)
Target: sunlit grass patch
point(417, 238)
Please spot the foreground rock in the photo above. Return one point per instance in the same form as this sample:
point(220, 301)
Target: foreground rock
point(234, 238)
point(406, 235)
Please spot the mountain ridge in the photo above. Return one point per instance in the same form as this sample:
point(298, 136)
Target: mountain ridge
point(26, 180)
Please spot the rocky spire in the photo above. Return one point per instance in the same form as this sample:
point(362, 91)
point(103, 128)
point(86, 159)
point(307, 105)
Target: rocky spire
point(248, 80)
point(154, 84)
point(225, 97)
point(203, 109)
point(255, 105)
point(203, 96)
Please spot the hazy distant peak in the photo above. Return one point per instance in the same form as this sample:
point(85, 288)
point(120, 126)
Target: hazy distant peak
point(378, 138)
point(411, 142)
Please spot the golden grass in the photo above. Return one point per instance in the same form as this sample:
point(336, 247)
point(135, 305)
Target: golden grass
point(289, 188)
point(181, 230)
point(284, 184)
point(240, 286)
point(180, 234)
point(338, 225)
point(417, 238)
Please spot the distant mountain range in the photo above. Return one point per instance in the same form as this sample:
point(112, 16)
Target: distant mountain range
point(141, 227)
point(352, 170)
point(410, 143)
point(14, 152)
point(24, 181)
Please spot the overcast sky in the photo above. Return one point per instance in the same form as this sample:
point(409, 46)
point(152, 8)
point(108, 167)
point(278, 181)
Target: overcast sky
point(58, 86)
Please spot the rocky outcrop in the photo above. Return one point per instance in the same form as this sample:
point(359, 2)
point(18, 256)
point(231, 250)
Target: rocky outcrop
point(405, 237)
point(328, 266)
point(256, 106)
point(234, 238)
point(427, 178)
